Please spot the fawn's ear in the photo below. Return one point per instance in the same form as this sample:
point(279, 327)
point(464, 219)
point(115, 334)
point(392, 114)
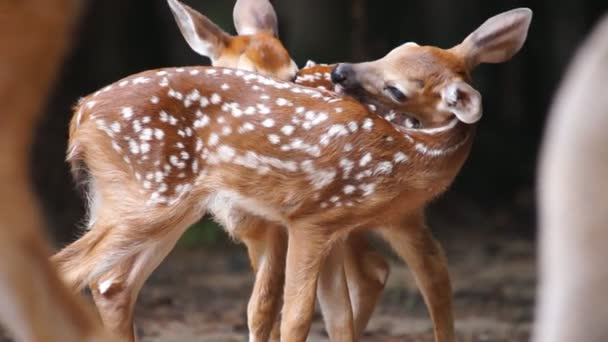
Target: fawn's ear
point(497, 39)
point(459, 98)
point(201, 34)
point(253, 16)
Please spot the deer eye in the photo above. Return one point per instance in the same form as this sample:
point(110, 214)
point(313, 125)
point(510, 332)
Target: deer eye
point(396, 94)
point(412, 123)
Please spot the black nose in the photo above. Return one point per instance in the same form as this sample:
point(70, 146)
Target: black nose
point(342, 73)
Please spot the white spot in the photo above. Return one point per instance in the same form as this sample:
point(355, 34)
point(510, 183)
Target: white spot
point(347, 166)
point(268, 123)
point(216, 98)
point(201, 122)
point(136, 126)
point(335, 130)
point(339, 109)
point(322, 178)
point(204, 102)
point(163, 187)
point(274, 139)
point(199, 144)
point(225, 86)
point(213, 139)
point(164, 82)
point(133, 146)
point(353, 126)
point(287, 129)
point(246, 127)
point(348, 147)
point(226, 153)
point(158, 176)
point(211, 71)
point(367, 189)
point(127, 112)
point(195, 166)
point(264, 97)
point(349, 189)
point(283, 102)
point(184, 155)
point(262, 109)
point(250, 110)
point(146, 134)
point(400, 157)
point(144, 147)
point(141, 80)
point(175, 94)
point(194, 72)
point(365, 159)
point(368, 124)
point(159, 133)
point(123, 83)
point(115, 126)
point(226, 130)
point(383, 168)
point(161, 73)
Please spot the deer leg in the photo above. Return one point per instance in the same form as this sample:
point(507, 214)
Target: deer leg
point(333, 294)
point(267, 245)
point(366, 274)
point(306, 252)
point(115, 293)
point(424, 256)
point(118, 254)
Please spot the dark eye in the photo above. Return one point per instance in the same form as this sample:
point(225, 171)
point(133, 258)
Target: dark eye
point(412, 123)
point(396, 93)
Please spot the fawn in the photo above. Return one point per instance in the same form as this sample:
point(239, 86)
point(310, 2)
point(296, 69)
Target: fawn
point(257, 48)
point(161, 148)
point(571, 199)
point(34, 304)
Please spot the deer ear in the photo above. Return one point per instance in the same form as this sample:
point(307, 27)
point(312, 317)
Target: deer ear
point(253, 16)
point(203, 36)
point(462, 100)
point(497, 39)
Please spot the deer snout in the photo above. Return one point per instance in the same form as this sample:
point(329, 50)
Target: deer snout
point(344, 75)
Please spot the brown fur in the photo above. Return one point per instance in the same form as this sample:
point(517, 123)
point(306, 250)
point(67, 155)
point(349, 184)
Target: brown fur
point(34, 304)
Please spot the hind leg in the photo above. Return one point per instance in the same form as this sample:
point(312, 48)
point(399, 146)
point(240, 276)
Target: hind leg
point(366, 273)
point(267, 246)
point(116, 258)
point(115, 293)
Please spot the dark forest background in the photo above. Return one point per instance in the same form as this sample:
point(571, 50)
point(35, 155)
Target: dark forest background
point(495, 188)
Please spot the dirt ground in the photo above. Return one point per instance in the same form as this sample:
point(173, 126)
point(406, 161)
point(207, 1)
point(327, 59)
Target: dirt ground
point(201, 295)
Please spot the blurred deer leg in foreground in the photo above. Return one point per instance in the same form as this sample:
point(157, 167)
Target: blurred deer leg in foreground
point(34, 305)
point(573, 187)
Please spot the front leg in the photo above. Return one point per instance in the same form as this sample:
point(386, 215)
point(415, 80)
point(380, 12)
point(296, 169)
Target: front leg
point(416, 246)
point(307, 250)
